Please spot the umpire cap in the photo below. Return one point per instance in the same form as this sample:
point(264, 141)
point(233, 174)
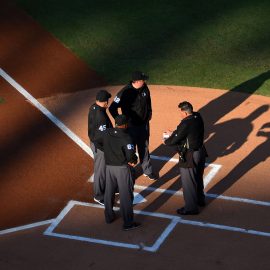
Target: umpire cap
point(103, 95)
point(138, 75)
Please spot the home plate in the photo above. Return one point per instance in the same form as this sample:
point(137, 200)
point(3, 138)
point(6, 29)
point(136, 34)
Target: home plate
point(138, 198)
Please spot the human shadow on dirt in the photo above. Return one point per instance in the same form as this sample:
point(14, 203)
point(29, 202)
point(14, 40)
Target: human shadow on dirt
point(224, 104)
point(215, 110)
point(230, 135)
point(211, 113)
point(258, 155)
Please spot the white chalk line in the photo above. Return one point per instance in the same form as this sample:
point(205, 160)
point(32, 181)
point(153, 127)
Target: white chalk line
point(94, 240)
point(209, 195)
point(87, 149)
point(57, 220)
point(174, 220)
point(162, 237)
point(206, 180)
point(26, 227)
point(47, 113)
point(213, 172)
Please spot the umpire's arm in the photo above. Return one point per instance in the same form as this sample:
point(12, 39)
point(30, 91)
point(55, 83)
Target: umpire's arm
point(113, 109)
point(177, 136)
point(130, 153)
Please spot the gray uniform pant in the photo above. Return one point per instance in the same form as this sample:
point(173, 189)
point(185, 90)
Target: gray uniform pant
point(140, 138)
point(192, 181)
point(119, 177)
point(99, 173)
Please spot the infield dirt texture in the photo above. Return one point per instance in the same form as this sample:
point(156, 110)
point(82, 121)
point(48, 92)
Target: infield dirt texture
point(44, 171)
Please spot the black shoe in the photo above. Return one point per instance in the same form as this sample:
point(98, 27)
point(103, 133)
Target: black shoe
point(134, 225)
point(151, 176)
point(183, 211)
point(101, 202)
point(110, 221)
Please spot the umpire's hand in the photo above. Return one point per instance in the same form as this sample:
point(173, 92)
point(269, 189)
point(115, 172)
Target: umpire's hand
point(132, 164)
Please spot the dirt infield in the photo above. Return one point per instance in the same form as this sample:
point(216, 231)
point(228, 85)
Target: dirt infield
point(232, 140)
point(30, 143)
point(44, 171)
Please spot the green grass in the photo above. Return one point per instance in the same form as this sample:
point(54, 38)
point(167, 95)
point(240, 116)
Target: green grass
point(210, 43)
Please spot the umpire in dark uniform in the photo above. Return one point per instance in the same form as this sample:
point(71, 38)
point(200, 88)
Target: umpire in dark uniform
point(119, 156)
point(98, 122)
point(189, 137)
point(135, 102)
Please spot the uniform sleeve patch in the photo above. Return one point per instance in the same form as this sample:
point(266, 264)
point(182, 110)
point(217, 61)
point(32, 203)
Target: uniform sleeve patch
point(116, 99)
point(130, 147)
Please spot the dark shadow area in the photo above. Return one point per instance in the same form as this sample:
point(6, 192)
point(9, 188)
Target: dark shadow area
point(230, 135)
point(214, 111)
point(35, 130)
point(38, 162)
point(224, 104)
point(147, 49)
point(223, 142)
point(163, 197)
point(258, 155)
point(36, 60)
point(145, 36)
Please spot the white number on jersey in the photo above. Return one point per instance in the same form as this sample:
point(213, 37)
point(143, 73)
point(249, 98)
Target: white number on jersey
point(116, 99)
point(130, 146)
point(102, 127)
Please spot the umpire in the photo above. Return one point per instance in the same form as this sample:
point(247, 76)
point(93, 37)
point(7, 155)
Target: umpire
point(189, 137)
point(98, 122)
point(135, 102)
point(119, 156)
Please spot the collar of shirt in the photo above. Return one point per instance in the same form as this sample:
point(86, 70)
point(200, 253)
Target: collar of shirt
point(137, 89)
point(121, 130)
point(100, 108)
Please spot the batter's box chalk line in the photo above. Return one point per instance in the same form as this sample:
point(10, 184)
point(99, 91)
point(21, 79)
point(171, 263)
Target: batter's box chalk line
point(214, 168)
point(140, 246)
point(173, 221)
point(88, 150)
point(26, 227)
point(206, 180)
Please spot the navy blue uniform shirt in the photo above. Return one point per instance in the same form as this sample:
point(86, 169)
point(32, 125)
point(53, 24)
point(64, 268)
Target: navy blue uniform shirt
point(98, 122)
point(135, 104)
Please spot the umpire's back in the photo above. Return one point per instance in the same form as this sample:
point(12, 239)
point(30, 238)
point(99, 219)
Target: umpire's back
point(118, 147)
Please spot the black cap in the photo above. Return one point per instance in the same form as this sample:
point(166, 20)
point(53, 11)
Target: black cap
point(103, 95)
point(138, 75)
point(121, 120)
